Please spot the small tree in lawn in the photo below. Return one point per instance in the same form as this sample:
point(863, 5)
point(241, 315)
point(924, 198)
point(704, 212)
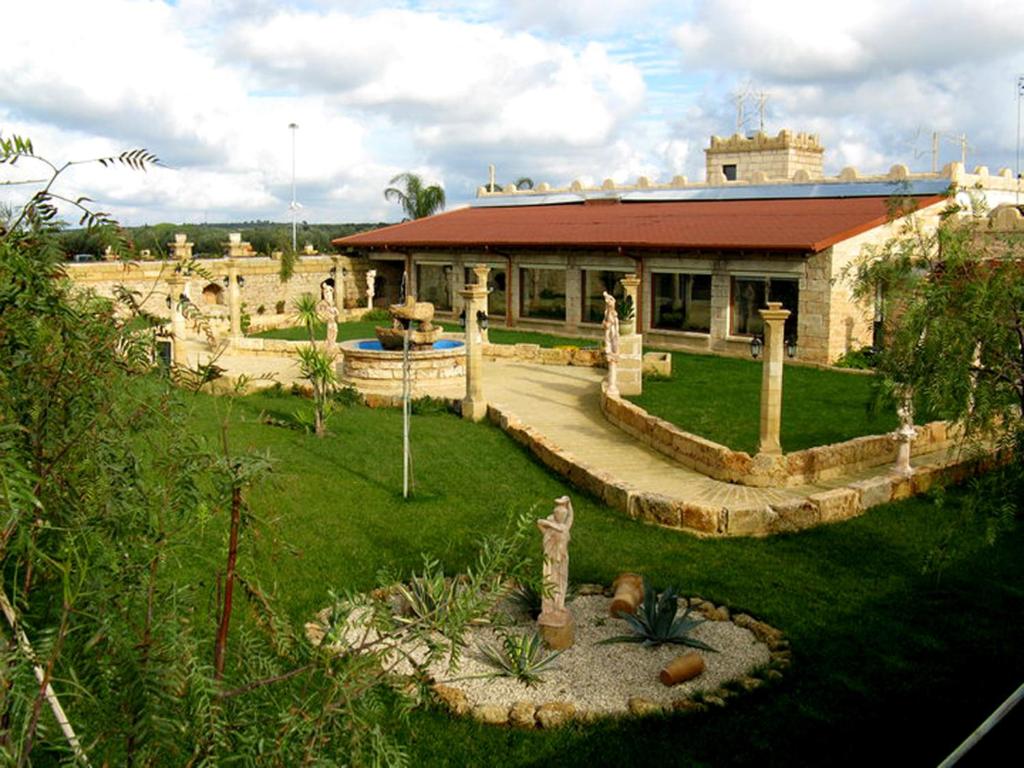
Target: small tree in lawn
point(316, 365)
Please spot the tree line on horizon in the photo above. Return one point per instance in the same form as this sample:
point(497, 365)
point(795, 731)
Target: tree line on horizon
point(211, 239)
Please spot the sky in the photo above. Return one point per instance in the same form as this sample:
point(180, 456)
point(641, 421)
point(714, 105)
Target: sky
point(548, 89)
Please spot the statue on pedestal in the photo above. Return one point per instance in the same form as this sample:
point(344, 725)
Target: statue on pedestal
point(371, 278)
point(611, 342)
point(555, 621)
point(328, 312)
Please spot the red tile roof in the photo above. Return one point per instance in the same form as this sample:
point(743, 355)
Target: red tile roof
point(804, 225)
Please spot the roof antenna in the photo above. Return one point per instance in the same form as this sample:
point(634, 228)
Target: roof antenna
point(762, 103)
point(490, 171)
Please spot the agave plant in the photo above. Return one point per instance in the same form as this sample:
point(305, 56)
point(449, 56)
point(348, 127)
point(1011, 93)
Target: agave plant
point(427, 595)
point(528, 595)
point(523, 657)
point(656, 623)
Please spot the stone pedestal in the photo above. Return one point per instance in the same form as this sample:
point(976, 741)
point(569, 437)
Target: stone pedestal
point(234, 301)
point(180, 248)
point(557, 629)
point(631, 285)
point(237, 248)
point(175, 286)
point(629, 375)
point(474, 406)
point(771, 377)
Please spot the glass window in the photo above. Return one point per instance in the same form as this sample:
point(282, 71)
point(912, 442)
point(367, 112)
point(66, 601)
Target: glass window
point(595, 283)
point(497, 282)
point(434, 284)
point(681, 302)
point(749, 294)
point(542, 293)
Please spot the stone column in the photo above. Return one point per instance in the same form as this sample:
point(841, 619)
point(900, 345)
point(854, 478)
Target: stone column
point(629, 373)
point(631, 285)
point(771, 377)
point(340, 287)
point(234, 301)
point(175, 286)
point(482, 271)
point(474, 406)
point(371, 277)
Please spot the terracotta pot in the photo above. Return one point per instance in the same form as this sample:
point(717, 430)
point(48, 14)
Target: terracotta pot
point(629, 593)
point(682, 668)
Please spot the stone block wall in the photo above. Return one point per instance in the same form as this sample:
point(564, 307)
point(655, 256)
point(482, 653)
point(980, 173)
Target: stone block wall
point(263, 286)
point(804, 467)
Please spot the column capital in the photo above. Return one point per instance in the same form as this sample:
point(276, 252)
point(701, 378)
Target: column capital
point(774, 312)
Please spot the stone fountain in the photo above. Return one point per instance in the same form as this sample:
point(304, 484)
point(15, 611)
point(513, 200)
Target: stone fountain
point(422, 336)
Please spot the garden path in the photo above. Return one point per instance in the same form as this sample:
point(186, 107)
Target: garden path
point(562, 403)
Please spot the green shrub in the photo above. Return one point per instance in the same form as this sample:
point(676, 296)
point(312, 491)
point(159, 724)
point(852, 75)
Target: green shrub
point(862, 359)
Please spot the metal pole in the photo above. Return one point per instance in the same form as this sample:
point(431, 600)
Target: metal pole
point(1020, 92)
point(406, 412)
point(294, 207)
point(984, 728)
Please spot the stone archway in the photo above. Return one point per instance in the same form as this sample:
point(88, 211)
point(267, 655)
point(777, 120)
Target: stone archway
point(213, 294)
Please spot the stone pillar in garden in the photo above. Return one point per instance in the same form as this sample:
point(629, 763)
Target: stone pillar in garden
point(474, 406)
point(631, 344)
point(771, 377)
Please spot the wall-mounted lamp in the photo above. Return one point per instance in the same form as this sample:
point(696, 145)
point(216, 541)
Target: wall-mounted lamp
point(791, 346)
point(462, 318)
point(333, 271)
point(239, 279)
point(482, 320)
point(756, 346)
point(182, 300)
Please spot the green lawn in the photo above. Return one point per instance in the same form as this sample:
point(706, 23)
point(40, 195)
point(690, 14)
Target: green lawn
point(889, 667)
point(719, 398)
point(364, 329)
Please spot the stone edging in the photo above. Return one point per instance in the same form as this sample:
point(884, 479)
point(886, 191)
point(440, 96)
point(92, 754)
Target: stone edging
point(805, 467)
point(829, 506)
point(552, 714)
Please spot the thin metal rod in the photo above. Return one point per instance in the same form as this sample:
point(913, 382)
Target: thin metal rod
point(1020, 92)
point(294, 206)
point(984, 728)
point(406, 412)
point(48, 692)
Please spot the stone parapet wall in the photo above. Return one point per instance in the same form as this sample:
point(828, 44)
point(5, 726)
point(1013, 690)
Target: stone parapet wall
point(263, 286)
point(805, 467)
point(829, 506)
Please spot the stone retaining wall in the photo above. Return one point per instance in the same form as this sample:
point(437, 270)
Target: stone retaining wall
point(588, 357)
point(805, 467)
point(755, 520)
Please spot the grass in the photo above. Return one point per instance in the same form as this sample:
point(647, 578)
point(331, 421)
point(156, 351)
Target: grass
point(719, 398)
point(885, 661)
point(363, 329)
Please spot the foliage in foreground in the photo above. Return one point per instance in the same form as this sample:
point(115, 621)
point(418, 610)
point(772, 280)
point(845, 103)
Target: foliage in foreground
point(656, 623)
point(104, 492)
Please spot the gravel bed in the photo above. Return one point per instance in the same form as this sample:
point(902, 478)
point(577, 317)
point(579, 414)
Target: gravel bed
point(600, 679)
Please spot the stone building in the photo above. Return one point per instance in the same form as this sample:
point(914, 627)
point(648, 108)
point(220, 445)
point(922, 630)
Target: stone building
point(709, 254)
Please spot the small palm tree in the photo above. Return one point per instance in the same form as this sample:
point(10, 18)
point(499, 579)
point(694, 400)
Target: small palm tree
point(417, 200)
point(315, 364)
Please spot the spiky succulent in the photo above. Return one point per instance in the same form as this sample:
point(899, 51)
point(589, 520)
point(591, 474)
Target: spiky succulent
point(656, 622)
point(522, 656)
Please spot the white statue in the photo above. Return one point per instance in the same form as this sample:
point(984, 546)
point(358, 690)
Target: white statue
point(611, 342)
point(905, 435)
point(556, 532)
point(328, 312)
point(371, 278)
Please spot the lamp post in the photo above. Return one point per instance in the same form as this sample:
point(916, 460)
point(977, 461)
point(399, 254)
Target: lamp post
point(294, 207)
point(474, 406)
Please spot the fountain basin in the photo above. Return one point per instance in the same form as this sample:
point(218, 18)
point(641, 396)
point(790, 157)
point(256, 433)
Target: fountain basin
point(439, 371)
